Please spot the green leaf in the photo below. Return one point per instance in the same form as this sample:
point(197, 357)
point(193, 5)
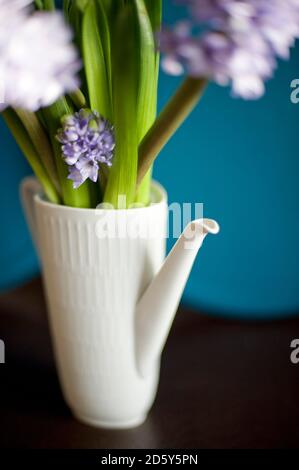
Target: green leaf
point(154, 8)
point(81, 4)
point(94, 61)
point(147, 94)
point(122, 177)
point(49, 5)
point(108, 5)
point(40, 142)
point(39, 4)
point(74, 16)
point(24, 142)
point(111, 8)
point(80, 197)
point(66, 8)
point(104, 30)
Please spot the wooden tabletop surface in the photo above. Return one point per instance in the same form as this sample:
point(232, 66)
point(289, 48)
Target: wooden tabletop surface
point(224, 384)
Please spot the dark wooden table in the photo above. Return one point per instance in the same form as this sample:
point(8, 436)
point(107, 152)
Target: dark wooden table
point(224, 384)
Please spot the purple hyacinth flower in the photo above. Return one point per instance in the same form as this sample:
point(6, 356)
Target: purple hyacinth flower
point(231, 41)
point(84, 169)
point(87, 140)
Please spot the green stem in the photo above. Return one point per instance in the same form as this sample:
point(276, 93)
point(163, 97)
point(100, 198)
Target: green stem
point(170, 119)
point(23, 140)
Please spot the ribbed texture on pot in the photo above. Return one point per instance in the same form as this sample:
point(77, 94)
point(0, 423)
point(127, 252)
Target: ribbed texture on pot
point(92, 288)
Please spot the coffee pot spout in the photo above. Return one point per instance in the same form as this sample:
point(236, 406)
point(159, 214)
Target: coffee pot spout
point(157, 307)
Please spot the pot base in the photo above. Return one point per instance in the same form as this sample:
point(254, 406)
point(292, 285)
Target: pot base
point(131, 423)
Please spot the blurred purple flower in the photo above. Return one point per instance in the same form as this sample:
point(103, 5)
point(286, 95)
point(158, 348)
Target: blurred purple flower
point(38, 62)
point(220, 12)
point(237, 41)
point(276, 20)
point(12, 15)
point(87, 140)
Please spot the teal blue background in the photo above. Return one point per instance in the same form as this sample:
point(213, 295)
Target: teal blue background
point(241, 160)
point(17, 258)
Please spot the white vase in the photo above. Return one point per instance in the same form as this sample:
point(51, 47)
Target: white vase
point(107, 335)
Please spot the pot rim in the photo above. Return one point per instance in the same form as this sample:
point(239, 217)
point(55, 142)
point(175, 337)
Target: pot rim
point(158, 198)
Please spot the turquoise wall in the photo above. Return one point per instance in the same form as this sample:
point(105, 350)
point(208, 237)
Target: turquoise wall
point(241, 159)
point(17, 258)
